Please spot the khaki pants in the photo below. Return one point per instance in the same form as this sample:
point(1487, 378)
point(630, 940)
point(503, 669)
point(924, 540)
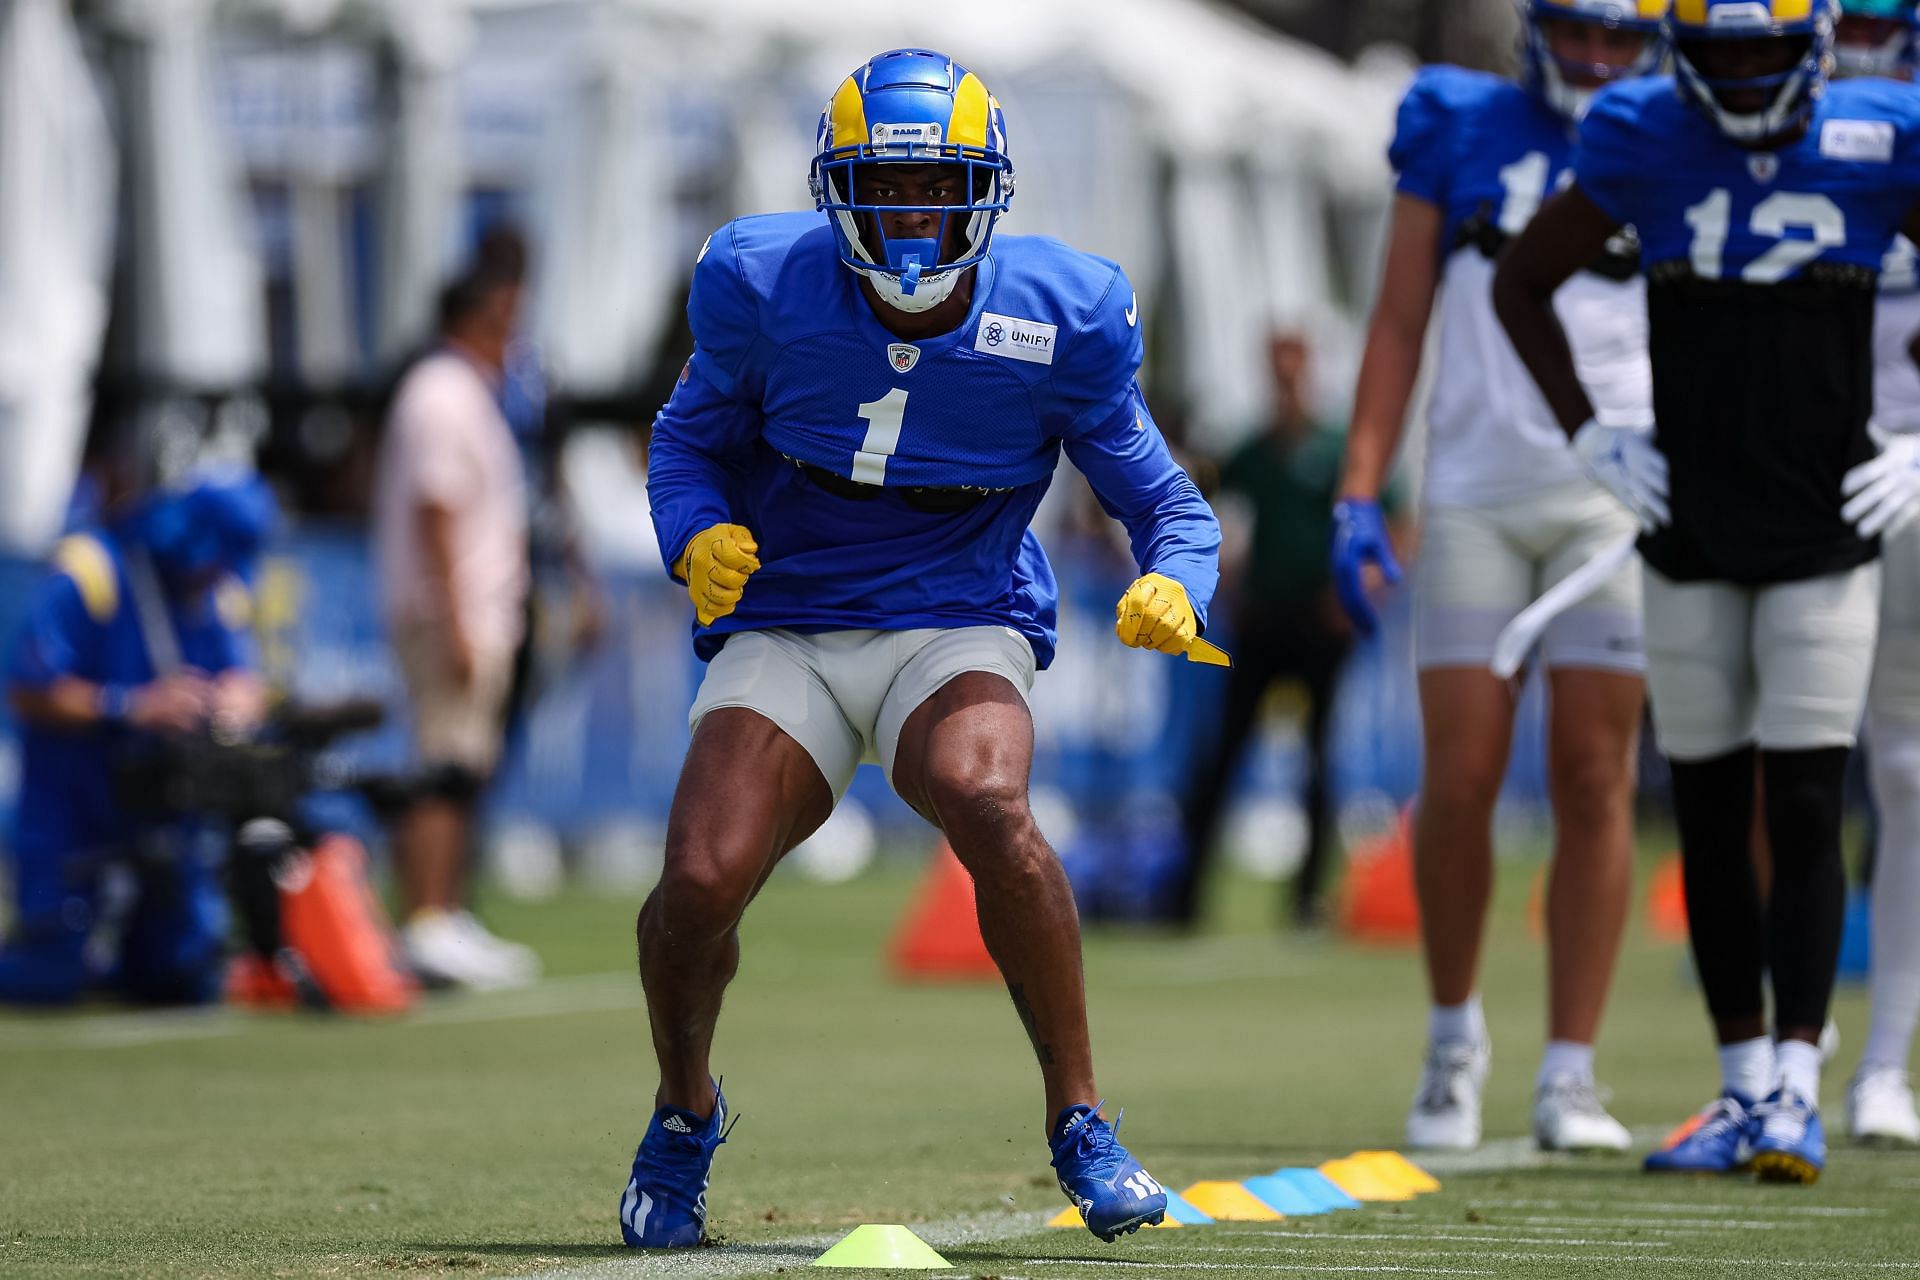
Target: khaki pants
point(453, 722)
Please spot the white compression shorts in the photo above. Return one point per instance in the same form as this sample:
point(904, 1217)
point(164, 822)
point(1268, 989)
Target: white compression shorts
point(1785, 665)
point(845, 695)
point(1480, 566)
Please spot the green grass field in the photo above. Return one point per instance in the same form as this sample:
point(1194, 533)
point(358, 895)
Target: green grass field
point(491, 1135)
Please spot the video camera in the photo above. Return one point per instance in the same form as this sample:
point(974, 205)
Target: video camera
point(259, 784)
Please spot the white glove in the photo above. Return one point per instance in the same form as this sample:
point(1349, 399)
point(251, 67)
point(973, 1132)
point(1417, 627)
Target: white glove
point(1625, 462)
point(1883, 493)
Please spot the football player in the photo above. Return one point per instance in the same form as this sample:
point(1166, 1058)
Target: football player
point(1876, 38)
point(1509, 512)
point(844, 479)
point(1765, 202)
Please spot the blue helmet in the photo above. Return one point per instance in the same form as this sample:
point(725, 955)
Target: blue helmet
point(1552, 77)
point(1794, 91)
point(216, 525)
point(1892, 23)
point(912, 106)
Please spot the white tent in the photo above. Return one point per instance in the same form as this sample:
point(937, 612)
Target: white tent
point(198, 292)
point(56, 253)
point(1265, 140)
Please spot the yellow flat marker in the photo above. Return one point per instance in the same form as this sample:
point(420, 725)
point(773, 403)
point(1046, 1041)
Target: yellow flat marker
point(1165, 1224)
point(1210, 654)
point(1067, 1217)
point(1362, 1181)
point(883, 1246)
point(1230, 1202)
point(1401, 1170)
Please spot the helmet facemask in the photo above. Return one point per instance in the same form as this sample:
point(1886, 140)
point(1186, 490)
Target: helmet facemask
point(1756, 78)
point(1873, 43)
point(1568, 84)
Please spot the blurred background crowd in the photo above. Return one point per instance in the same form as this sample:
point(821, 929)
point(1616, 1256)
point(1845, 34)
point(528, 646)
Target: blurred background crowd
point(239, 237)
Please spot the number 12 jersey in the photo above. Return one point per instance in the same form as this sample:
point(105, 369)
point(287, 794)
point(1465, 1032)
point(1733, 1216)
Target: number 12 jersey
point(1762, 267)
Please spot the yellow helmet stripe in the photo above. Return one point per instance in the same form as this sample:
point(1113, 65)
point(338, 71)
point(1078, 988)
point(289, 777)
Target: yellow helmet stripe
point(848, 112)
point(84, 560)
point(968, 125)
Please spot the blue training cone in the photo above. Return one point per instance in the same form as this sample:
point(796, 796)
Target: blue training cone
point(1181, 1210)
point(1319, 1187)
point(1284, 1196)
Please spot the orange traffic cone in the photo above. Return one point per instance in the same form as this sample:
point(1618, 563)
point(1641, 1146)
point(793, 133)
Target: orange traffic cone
point(1667, 901)
point(940, 937)
point(330, 917)
point(1379, 903)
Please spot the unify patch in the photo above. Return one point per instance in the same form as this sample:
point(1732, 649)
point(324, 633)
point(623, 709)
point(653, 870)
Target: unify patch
point(1015, 338)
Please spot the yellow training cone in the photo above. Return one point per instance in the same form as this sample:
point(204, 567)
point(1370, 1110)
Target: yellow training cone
point(1230, 1202)
point(1165, 1224)
point(892, 1247)
point(1362, 1181)
point(1401, 1170)
point(1067, 1217)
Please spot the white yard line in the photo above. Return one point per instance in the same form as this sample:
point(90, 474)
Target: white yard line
point(1264, 1268)
point(1668, 1206)
point(583, 993)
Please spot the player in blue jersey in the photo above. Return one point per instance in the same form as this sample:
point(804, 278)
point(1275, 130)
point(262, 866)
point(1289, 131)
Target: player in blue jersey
point(1508, 513)
point(1877, 38)
point(844, 479)
point(1765, 202)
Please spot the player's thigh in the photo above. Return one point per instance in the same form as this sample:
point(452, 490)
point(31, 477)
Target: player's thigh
point(1593, 732)
point(1466, 723)
point(1470, 581)
point(957, 720)
point(1700, 673)
point(1896, 657)
point(1602, 632)
point(778, 675)
point(1813, 647)
point(771, 753)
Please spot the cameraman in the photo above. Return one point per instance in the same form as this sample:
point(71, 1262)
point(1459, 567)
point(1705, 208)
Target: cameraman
point(139, 633)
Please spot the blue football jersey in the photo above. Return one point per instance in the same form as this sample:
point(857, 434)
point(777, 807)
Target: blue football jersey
point(1836, 196)
point(1480, 147)
point(1487, 153)
point(1762, 267)
point(793, 371)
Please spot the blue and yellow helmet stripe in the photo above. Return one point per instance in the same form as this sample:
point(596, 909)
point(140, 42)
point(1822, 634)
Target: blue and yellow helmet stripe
point(1705, 16)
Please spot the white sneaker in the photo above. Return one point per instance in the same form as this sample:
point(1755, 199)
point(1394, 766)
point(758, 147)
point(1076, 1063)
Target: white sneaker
point(1880, 1107)
point(451, 948)
point(1446, 1109)
point(1569, 1116)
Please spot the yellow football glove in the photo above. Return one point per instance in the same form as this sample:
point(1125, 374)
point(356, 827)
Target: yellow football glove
point(716, 565)
point(1156, 614)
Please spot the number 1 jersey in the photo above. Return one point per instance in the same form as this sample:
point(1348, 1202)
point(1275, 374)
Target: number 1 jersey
point(890, 483)
point(1762, 267)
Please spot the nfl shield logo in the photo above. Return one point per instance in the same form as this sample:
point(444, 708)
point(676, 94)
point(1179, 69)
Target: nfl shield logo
point(1763, 165)
point(903, 356)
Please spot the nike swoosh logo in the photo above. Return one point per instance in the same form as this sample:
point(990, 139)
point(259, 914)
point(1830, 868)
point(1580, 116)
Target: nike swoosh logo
point(1133, 311)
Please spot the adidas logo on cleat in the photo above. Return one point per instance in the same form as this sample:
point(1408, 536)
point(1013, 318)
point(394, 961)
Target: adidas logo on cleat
point(674, 1124)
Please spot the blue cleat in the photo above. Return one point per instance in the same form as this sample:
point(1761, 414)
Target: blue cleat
point(1115, 1196)
point(1715, 1141)
point(665, 1203)
point(1789, 1142)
